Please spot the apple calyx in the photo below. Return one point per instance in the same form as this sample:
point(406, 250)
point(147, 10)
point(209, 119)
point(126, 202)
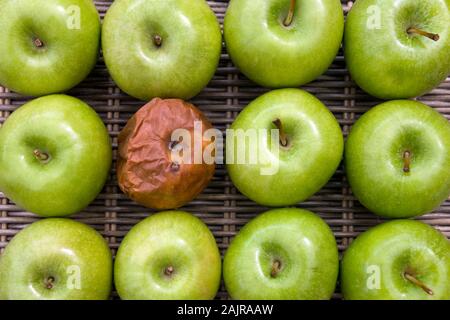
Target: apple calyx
point(38, 43)
point(157, 40)
point(407, 161)
point(276, 268)
point(288, 21)
point(284, 142)
point(408, 276)
point(49, 282)
point(432, 36)
point(41, 156)
point(168, 271)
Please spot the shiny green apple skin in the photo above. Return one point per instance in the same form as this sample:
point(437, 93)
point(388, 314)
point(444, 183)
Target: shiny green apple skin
point(391, 249)
point(276, 56)
point(80, 153)
point(374, 159)
point(73, 254)
point(170, 239)
point(68, 54)
point(184, 63)
point(388, 62)
point(303, 244)
point(306, 166)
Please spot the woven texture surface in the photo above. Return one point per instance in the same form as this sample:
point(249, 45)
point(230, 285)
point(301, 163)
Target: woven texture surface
point(221, 206)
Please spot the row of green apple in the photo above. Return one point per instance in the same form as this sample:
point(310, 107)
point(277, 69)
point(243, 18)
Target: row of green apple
point(282, 254)
point(393, 50)
point(55, 155)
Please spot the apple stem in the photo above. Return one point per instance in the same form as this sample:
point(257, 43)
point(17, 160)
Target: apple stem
point(276, 268)
point(288, 21)
point(283, 137)
point(432, 36)
point(418, 283)
point(49, 282)
point(168, 271)
point(406, 161)
point(157, 40)
point(41, 156)
point(38, 43)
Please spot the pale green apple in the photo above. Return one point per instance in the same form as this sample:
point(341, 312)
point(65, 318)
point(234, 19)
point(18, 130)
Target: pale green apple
point(286, 254)
point(47, 46)
point(55, 155)
point(171, 255)
point(56, 259)
point(397, 260)
point(397, 159)
point(166, 49)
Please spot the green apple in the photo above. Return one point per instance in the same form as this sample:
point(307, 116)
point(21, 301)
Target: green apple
point(398, 49)
point(397, 260)
point(282, 254)
point(166, 49)
point(169, 255)
point(397, 159)
point(56, 259)
point(285, 172)
point(283, 43)
point(47, 46)
point(55, 155)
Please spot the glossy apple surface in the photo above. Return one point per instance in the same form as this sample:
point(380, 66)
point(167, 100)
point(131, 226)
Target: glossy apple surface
point(282, 254)
point(48, 46)
point(297, 171)
point(171, 255)
point(276, 55)
point(387, 57)
point(56, 259)
point(55, 155)
point(397, 159)
point(397, 260)
point(166, 49)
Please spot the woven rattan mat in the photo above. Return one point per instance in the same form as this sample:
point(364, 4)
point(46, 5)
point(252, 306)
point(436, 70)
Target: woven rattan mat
point(221, 206)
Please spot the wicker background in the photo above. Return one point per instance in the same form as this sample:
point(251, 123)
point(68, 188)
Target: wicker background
point(221, 206)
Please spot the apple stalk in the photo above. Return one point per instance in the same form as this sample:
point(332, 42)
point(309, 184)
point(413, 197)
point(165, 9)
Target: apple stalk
point(432, 36)
point(283, 137)
point(417, 282)
point(276, 268)
point(406, 161)
point(41, 156)
point(288, 21)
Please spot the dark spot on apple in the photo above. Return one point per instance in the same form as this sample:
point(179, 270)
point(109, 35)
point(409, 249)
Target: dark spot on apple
point(49, 282)
point(407, 161)
point(157, 40)
point(38, 43)
point(175, 166)
point(173, 144)
point(168, 271)
point(276, 268)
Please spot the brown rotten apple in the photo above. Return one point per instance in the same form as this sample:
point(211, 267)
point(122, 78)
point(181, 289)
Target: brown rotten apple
point(156, 170)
